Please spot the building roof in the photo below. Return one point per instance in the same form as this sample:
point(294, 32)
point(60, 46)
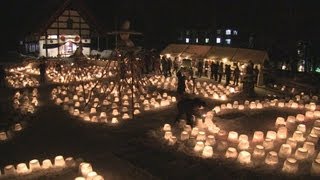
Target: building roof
point(216, 53)
point(80, 7)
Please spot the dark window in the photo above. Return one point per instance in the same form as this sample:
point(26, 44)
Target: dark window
point(69, 23)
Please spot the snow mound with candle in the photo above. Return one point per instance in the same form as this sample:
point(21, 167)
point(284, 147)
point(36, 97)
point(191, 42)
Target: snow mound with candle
point(60, 167)
point(96, 102)
point(289, 147)
point(24, 103)
point(203, 89)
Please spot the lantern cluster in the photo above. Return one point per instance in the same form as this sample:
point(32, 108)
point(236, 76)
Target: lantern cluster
point(21, 77)
point(36, 169)
point(204, 89)
point(70, 73)
point(289, 146)
point(101, 103)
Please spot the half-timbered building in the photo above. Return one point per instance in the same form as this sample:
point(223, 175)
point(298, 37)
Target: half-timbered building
point(69, 28)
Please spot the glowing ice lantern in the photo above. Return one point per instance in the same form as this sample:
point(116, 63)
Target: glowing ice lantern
point(210, 140)
point(201, 136)
point(115, 112)
point(243, 137)
point(294, 105)
point(199, 146)
point(282, 133)
point(233, 137)
point(184, 135)
point(114, 120)
point(315, 168)
point(281, 104)
point(207, 152)
point(85, 169)
point(9, 170)
point(167, 135)
point(222, 135)
point(194, 132)
point(309, 115)
point(285, 151)
point(298, 136)
point(258, 137)
point(217, 109)
point(243, 145)
point(313, 138)
point(316, 131)
point(268, 144)
point(244, 157)
point(59, 161)
point(280, 122)
point(46, 164)
point(166, 127)
point(173, 99)
point(22, 168)
point(300, 118)
point(136, 111)
point(17, 127)
point(231, 153)
point(241, 107)
point(172, 140)
point(3, 136)
point(91, 175)
point(272, 158)
point(316, 114)
point(34, 165)
point(301, 154)
point(125, 116)
point(271, 135)
point(290, 166)
point(93, 111)
point(310, 147)
point(292, 142)
point(291, 122)
point(258, 152)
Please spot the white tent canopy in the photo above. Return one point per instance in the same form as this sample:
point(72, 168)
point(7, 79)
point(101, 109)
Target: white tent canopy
point(216, 53)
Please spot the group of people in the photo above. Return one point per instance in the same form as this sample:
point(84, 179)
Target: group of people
point(169, 66)
point(220, 70)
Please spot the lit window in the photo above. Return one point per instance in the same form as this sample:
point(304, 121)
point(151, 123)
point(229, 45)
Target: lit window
point(187, 40)
point(206, 40)
point(197, 40)
point(228, 41)
point(52, 37)
point(219, 31)
point(228, 32)
point(218, 40)
point(298, 51)
point(235, 32)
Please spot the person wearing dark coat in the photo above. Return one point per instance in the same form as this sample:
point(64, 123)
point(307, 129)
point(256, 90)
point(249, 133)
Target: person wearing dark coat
point(255, 74)
point(236, 75)
point(200, 68)
point(191, 108)
point(228, 74)
point(169, 66)
point(42, 67)
point(220, 72)
point(164, 65)
point(181, 83)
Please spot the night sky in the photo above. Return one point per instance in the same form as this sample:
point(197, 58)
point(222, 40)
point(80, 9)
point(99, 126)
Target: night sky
point(275, 22)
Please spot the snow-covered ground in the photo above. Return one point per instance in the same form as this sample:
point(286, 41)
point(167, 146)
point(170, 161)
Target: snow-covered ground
point(130, 150)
